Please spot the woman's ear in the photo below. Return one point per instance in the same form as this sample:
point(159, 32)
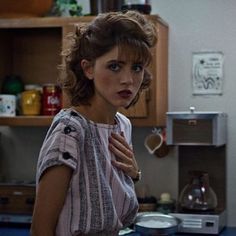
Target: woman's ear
point(87, 67)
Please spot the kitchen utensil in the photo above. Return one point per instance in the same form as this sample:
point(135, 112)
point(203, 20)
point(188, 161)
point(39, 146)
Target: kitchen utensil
point(154, 223)
point(156, 144)
point(198, 195)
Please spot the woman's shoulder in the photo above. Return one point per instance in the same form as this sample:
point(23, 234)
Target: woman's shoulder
point(67, 116)
point(65, 119)
point(122, 119)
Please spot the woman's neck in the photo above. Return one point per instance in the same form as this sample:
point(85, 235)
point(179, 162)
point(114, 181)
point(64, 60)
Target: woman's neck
point(97, 114)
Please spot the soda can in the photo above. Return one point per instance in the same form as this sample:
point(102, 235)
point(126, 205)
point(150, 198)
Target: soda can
point(52, 99)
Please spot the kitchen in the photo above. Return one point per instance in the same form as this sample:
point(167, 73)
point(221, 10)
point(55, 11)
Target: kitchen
point(203, 25)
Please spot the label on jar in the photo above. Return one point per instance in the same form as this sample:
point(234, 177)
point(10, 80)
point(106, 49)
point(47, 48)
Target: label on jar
point(52, 99)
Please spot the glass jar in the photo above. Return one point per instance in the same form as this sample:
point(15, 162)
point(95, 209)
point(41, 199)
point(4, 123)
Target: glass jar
point(198, 195)
point(31, 102)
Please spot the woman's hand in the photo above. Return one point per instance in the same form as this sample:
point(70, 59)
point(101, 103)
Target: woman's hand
point(125, 159)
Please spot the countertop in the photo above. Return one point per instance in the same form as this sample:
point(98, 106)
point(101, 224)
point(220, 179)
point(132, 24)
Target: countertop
point(228, 231)
point(5, 231)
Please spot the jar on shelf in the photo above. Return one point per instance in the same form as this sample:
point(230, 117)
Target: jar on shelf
point(31, 102)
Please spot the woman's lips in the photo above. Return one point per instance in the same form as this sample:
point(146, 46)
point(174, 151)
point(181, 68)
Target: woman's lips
point(125, 93)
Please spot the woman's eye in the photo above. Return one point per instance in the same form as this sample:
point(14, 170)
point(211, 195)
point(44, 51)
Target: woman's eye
point(137, 68)
point(114, 66)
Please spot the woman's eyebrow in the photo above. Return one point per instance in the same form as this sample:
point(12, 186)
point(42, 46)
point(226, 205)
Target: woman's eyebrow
point(117, 61)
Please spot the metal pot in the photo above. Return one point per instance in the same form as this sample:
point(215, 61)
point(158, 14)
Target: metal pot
point(155, 223)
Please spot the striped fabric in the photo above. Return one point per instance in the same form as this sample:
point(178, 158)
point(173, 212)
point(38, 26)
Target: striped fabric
point(101, 198)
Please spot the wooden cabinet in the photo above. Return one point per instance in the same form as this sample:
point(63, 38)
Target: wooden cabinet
point(31, 48)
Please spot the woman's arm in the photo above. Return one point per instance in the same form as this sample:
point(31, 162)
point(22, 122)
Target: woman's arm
point(49, 201)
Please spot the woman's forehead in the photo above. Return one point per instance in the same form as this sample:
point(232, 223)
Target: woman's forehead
point(134, 54)
point(127, 53)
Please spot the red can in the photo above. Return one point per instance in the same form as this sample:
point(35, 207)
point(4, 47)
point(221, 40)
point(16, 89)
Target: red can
point(52, 99)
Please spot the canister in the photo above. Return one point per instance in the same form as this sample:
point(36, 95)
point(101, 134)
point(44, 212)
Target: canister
point(31, 102)
point(52, 99)
point(7, 105)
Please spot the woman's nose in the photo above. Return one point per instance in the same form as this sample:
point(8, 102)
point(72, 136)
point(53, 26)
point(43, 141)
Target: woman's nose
point(127, 78)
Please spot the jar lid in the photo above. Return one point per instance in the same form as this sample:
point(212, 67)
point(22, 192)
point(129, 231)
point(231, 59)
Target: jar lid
point(33, 87)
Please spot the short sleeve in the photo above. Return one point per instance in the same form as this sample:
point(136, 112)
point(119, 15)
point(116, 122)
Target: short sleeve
point(59, 148)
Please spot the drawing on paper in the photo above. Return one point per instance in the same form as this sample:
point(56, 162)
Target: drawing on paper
point(207, 74)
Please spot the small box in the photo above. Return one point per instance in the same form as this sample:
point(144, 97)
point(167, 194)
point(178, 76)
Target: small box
point(196, 128)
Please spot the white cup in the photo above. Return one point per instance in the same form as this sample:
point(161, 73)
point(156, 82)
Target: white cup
point(7, 105)
point(156, 145)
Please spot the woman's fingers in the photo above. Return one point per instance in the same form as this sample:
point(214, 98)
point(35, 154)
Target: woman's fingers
point(125, 159)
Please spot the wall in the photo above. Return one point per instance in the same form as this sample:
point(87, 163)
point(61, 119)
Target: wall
point(194, 26)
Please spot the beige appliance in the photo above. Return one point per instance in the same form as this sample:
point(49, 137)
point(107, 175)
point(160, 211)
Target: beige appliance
point(196, 128)
point(201, 140)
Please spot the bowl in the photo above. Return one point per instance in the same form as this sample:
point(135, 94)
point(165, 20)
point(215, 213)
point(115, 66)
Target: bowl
point(155, 223)
point(24, 8)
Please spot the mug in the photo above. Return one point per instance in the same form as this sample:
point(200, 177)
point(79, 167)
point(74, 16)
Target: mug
point(7, 105)
point(156, 144)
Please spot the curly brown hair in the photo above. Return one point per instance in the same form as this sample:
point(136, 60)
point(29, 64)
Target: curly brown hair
point(130, 31)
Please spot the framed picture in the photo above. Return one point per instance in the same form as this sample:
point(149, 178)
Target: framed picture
point(207, 73)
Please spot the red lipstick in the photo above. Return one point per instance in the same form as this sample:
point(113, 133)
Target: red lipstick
point(125, 93)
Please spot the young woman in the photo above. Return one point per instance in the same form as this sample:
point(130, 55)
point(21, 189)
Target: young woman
point(86, 167)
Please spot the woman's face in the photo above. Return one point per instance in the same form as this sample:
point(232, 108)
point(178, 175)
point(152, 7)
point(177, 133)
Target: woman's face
point(116, 80)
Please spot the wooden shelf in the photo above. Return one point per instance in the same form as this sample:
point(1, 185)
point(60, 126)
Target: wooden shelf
point(41, 22)
point(26, 121)
point(31, 48)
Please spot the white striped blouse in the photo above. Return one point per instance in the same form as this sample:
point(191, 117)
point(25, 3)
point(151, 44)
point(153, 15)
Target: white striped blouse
point(101, 199)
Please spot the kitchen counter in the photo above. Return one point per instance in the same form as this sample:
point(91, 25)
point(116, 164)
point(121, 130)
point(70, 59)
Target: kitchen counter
point(228, 231)
point(5, 231)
